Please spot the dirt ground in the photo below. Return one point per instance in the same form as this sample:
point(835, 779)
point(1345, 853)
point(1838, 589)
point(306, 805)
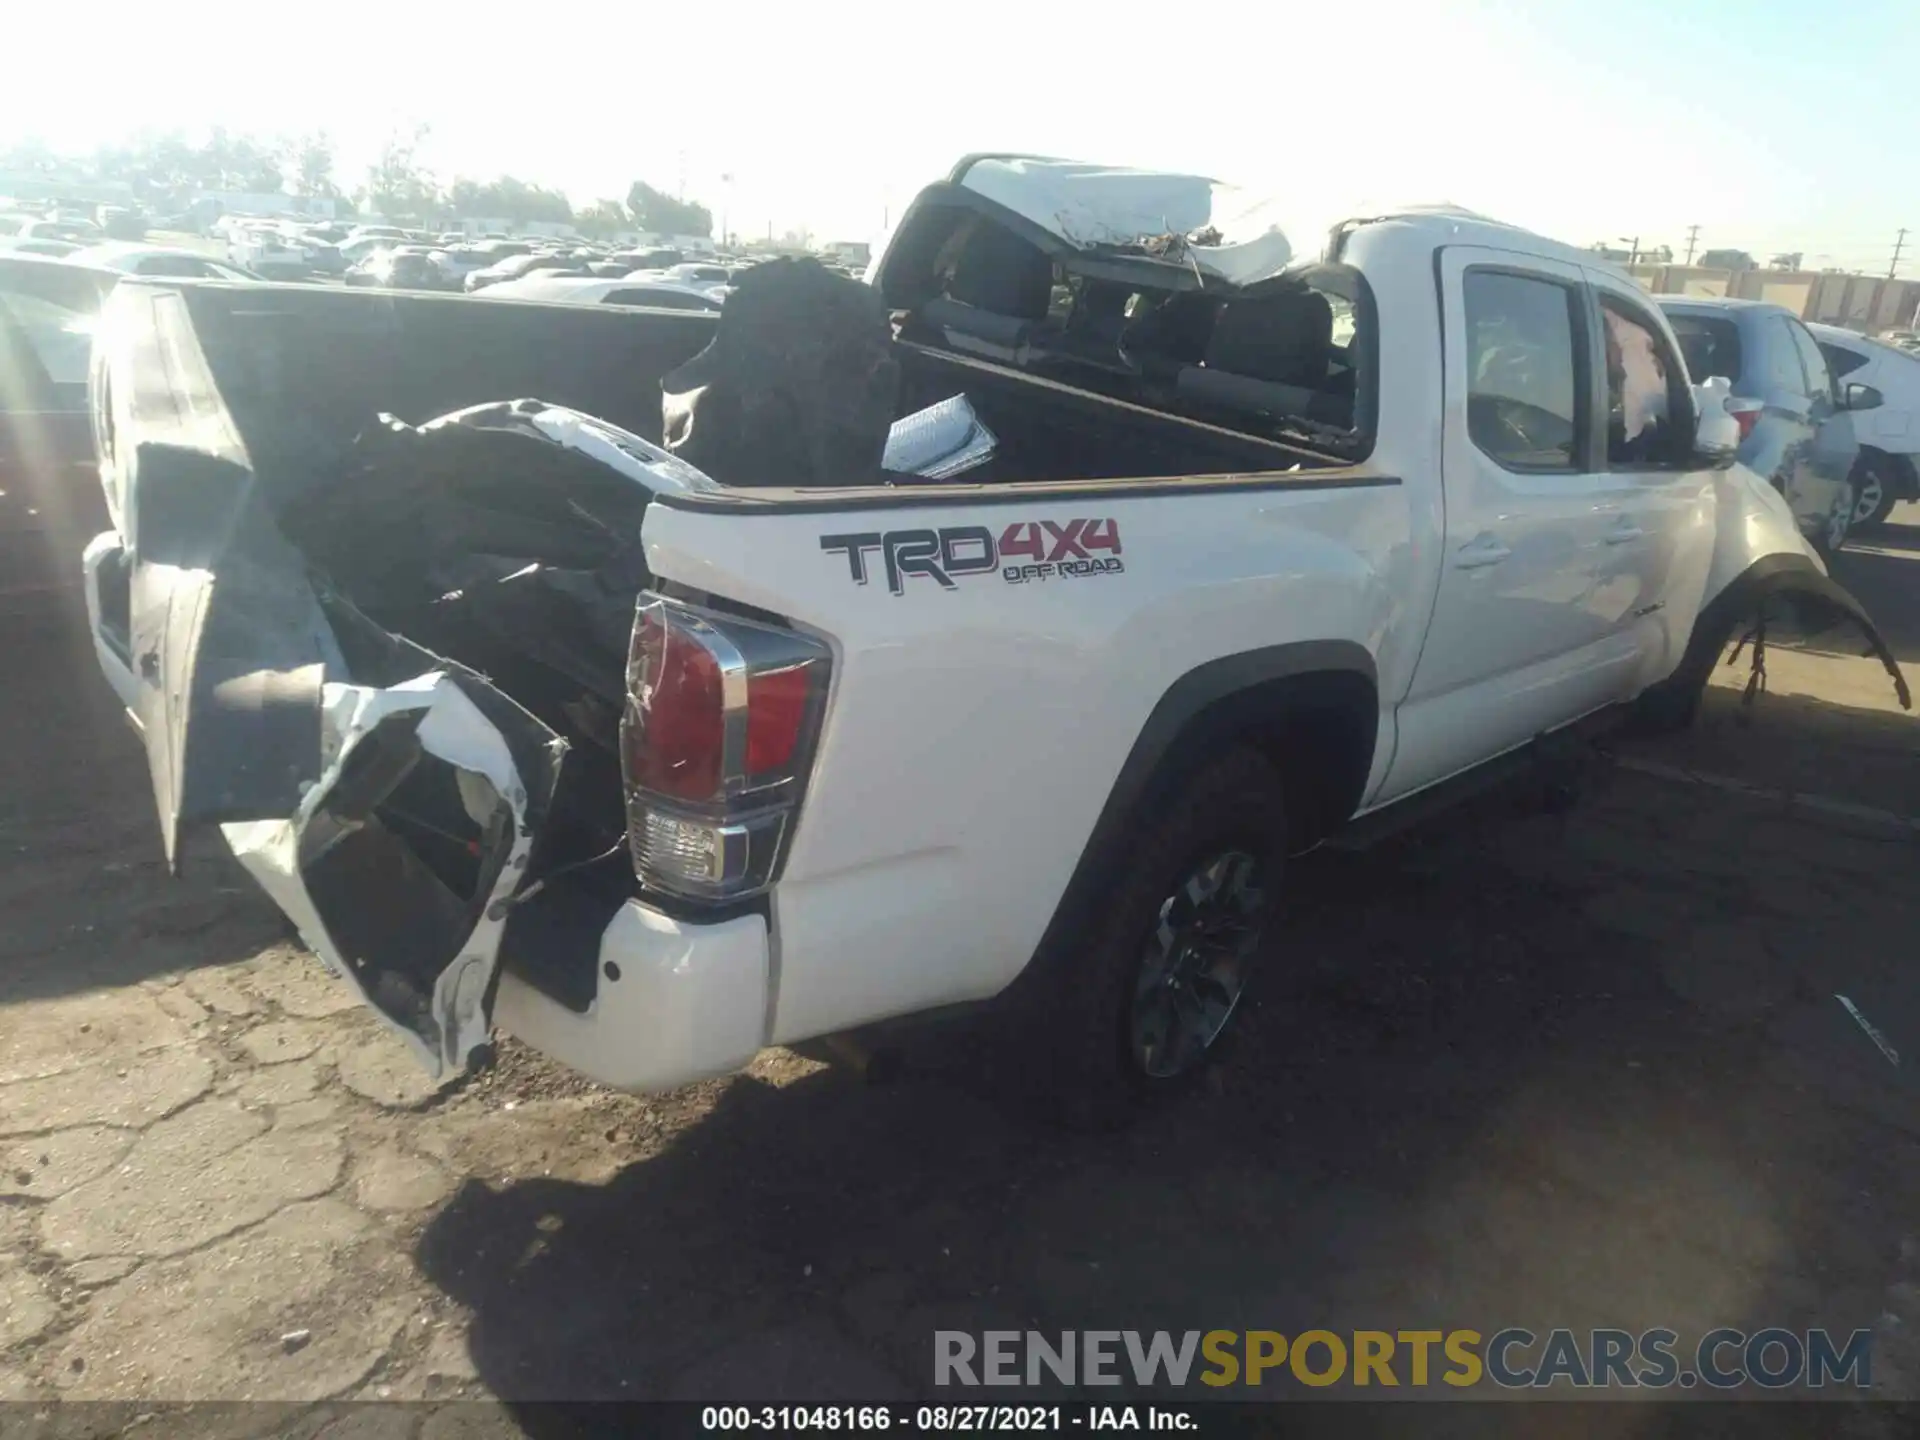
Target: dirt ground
point(1520, 1068)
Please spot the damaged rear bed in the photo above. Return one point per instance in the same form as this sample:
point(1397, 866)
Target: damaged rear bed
point(389, 660)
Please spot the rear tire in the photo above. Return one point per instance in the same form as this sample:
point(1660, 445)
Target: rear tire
point(1876, 492)
point(1093, 1008)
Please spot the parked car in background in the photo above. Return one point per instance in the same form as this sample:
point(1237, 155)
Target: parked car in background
point(692, 274)
point(1889, 434)
point(460, 261)
point(50, 494)
point(596, 290)
point(130, 259)
point(364, 247)
point(514, 267)
point(76, 231)
point(266, 252)
point(121, 222)
point(52, 249)
point(406, 268)
point(1796, 424)
point(322, 253)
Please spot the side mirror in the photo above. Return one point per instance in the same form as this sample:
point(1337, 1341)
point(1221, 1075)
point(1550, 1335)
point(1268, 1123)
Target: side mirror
point(1862, 397)
point(1716, 436)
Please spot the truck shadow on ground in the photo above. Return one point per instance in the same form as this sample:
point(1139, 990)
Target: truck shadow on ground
point(83, 881)
point(1521, 1069)
point(1882, 569)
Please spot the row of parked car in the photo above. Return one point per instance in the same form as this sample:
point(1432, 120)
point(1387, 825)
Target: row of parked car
point(391, 257)
point(1830, 416)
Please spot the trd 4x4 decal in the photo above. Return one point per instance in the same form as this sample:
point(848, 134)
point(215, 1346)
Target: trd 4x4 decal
point(1026, 550)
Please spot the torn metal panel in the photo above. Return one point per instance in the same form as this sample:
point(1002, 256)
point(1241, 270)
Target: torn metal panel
point(1230, 234)
point(228, 653)
point(398, 865)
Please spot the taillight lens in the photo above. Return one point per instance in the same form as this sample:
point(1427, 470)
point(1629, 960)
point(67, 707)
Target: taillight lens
point(1746, 414)
point(675, 682)
point(721, 718)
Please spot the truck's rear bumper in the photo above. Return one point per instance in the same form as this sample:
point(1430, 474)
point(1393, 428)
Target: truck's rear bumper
point(675, 1002)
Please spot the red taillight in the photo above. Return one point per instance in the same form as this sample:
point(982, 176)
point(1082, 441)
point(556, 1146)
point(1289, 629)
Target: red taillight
point(718, 731)
point(676, 744)
point(776, 710)
point(1746, 414)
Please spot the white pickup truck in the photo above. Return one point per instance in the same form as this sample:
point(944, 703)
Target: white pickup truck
point(656, 734)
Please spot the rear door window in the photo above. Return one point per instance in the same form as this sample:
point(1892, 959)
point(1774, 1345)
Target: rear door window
point(1647, 404)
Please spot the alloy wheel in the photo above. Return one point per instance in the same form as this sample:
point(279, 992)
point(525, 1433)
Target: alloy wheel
point(1867, 497)
point(1196, 963)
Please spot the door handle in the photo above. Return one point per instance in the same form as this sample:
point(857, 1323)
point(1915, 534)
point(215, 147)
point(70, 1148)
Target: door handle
point(1480, 552)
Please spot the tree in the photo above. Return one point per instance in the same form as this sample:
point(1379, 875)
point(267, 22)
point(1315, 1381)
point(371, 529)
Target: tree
point(602, 218)
point(659, 212)
point(310, 160)
point(398, 186)
point(1727, 260)
point(508, 199)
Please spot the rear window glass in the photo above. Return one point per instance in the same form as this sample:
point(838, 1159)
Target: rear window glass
point(1841, 361)
point(1710, 344)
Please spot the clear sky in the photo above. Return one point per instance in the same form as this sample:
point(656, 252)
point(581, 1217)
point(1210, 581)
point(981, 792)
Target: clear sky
point(1770, 125)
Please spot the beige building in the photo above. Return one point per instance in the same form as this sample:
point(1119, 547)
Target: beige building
point(1865, 303)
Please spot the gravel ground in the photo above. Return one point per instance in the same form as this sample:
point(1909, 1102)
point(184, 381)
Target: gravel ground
point(1521, 1068)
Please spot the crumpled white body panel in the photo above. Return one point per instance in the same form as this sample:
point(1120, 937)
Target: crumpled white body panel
point(452, 730)
point(1088, 205)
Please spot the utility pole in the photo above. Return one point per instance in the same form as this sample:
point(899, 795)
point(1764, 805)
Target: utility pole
point(1693, 236)
point(1899, 244)
point(1633, 248)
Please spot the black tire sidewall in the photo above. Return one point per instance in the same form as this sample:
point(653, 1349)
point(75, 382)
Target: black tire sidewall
point(1082, 1013)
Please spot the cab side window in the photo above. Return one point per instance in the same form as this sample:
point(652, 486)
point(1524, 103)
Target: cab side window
point(1525, 380)
point(1649, 407)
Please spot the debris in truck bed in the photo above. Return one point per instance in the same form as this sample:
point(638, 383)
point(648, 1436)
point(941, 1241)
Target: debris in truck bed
point(798, 386)
point(469, 497)
point(940, 442)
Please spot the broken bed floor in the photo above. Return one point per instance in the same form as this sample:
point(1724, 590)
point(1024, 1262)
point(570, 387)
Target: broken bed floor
point(1528, 1069)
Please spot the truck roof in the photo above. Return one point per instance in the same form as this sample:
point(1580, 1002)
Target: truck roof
point(1454, 225)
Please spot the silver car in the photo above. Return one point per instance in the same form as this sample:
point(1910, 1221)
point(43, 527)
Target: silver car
point(1795, 422)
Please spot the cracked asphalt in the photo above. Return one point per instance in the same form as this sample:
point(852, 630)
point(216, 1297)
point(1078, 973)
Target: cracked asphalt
point(1517, 1068)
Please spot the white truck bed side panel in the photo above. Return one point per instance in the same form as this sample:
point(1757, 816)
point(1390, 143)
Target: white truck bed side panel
point(974, 733)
